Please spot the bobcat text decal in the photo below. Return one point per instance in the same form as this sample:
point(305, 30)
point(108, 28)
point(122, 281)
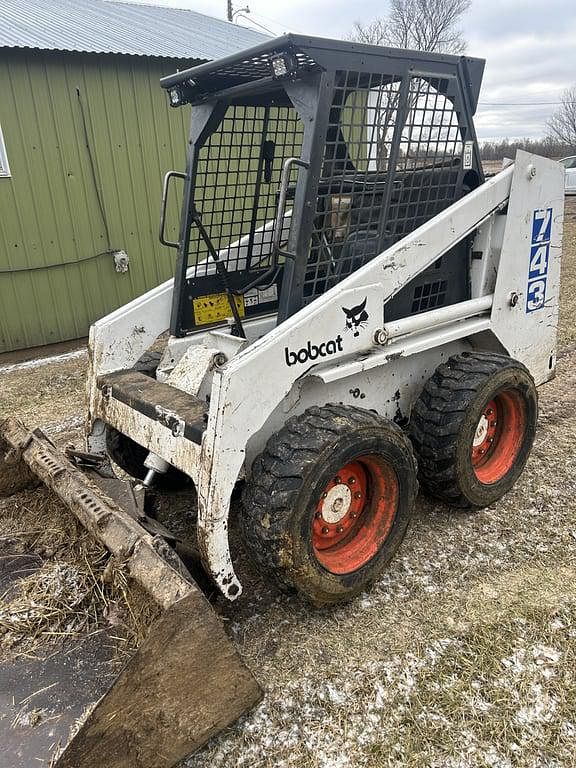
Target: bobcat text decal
point(356, 318)
point(313, 351)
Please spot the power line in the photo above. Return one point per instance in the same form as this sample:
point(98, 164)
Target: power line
point(280, 24)
point(253, 21)
point(523, 103)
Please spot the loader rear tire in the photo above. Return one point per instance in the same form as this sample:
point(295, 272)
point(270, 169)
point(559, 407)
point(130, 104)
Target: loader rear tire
point(473, 427)
point(327, 503)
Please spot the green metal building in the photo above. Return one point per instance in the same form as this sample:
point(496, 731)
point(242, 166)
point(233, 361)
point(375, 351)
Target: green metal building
point(86, 135)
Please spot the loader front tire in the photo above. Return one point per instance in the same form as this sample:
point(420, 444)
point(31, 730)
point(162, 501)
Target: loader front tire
point(327, 503)
point(473, 427)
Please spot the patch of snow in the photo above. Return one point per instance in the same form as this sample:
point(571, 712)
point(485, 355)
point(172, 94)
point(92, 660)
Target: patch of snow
point(41, 361)
point(541, 710)
point(495, 760)
point(63, 426)
point(515, 662)
point(543, 654)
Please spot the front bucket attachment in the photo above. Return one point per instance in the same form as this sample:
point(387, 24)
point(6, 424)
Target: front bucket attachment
point(183, 685)
point(186, 682)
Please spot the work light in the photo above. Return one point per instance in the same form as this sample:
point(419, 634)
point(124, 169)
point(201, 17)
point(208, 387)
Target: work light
point(175, 97)
point(284, 65)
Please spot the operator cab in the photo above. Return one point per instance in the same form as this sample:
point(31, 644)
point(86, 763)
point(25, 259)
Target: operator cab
point(309, 157)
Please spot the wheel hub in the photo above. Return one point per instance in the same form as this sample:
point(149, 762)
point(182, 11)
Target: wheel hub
point(340, 506)
point(336, 505)
point(498, 436)
point(481, 431)
point(354, 514)
point(485, 434)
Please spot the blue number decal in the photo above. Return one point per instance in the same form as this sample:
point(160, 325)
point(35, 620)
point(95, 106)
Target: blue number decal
point(536, 294)
point(539, 259)
point(542, 225)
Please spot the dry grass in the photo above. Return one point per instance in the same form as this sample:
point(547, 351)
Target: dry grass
point(45, 395)
point(492, 166)
point(500, 693)
point(73, 587)
point(567, 329)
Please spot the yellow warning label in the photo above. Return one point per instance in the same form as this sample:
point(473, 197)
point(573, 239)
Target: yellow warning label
point(214, 308)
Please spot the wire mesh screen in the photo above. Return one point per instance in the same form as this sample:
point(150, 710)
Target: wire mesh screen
point(237, 180)
point(429, 157)
point(392, 158)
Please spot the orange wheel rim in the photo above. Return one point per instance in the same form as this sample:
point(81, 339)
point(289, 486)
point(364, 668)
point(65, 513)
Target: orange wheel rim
point(499, 436)
point(355, 514)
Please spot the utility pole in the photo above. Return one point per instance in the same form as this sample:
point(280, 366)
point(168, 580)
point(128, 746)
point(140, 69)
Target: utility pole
point(231, 13)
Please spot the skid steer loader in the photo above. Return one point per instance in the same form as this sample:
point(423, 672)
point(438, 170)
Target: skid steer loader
point(354, 311)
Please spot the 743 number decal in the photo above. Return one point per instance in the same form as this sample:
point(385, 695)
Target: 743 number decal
point(539, 259)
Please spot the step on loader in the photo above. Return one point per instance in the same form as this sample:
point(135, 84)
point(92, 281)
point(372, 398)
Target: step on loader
point(355, 311)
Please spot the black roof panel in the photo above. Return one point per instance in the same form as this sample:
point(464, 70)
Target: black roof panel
point(254, 65)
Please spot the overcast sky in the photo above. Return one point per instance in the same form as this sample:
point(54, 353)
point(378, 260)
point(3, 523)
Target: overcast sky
point(529, 47)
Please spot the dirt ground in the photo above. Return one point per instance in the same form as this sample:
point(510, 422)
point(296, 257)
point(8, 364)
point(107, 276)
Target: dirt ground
point(464, 653)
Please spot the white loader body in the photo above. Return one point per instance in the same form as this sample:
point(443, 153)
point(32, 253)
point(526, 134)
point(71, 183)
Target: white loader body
point(340, 348)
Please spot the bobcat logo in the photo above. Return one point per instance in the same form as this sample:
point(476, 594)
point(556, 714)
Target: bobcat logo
point(356, 317)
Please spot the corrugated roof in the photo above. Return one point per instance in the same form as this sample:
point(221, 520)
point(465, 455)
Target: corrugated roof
point(105, 26)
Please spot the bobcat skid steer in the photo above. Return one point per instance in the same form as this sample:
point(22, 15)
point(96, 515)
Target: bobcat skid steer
point(354, 310)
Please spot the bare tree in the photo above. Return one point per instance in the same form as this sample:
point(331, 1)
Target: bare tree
point(373, 33)
point(423, 25)
point(562, 124)
point(549, 146)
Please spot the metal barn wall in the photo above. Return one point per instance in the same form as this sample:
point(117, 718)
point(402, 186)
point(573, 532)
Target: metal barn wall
point(55, 274)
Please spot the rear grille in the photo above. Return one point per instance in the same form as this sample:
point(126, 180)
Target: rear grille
point(429, 296)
